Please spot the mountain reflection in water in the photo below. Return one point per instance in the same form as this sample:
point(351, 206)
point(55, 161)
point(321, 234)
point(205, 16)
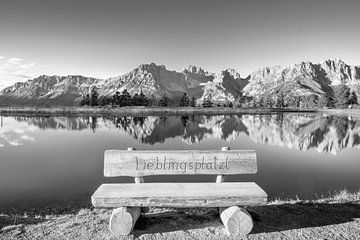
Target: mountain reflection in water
point(326, 134)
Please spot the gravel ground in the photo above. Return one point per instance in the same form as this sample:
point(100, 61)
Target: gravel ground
point(274, 221)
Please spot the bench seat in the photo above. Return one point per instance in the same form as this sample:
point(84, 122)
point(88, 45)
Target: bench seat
point(179, 195)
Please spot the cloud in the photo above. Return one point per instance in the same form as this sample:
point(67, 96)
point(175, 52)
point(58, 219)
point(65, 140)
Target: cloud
point(14, 60)
point(16, 134)
point(28, 66)
point(14, 70)
point(15, 66)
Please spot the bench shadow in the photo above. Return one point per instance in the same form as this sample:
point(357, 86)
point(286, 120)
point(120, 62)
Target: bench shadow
point(175, 220)
point(301, 215)
point(270, 218)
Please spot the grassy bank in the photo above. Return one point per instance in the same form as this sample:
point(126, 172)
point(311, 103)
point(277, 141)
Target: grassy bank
point(336, 217)
point(136, 111)
point(141, 111)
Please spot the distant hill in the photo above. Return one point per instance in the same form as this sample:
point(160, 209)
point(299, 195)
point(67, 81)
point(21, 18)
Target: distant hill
point(300, 79)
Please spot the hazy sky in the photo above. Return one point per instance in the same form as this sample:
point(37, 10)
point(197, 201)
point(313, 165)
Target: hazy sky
point(108, 38)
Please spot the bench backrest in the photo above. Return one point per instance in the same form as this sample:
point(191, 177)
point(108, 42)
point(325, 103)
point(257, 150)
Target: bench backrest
point(137, 163)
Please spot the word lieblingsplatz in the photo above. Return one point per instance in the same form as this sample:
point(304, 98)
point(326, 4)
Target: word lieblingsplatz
point(157, 164)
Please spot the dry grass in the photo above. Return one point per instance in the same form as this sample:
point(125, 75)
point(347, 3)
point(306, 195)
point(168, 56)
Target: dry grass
point(344, 196)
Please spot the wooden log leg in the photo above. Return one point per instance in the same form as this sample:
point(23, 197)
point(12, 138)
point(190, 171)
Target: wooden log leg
point(237, 220)
point(123, 219)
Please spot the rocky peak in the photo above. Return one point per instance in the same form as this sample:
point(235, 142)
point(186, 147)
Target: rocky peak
point(232, 72)
point(195, 70)
point(339, 72)
point(266, 71)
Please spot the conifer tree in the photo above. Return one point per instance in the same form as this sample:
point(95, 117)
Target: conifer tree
point(267, 101)
point(324, 101)
point(353, 98)
point(85, 100)
point(135, 100)
point(184, 101)
point(125, 99)
point(94, 97)
point(164, 101)
point(207, 102)
point(116, 98)
point(341, 94)
point(193, 101)
point(280, 101)
point(143, 101)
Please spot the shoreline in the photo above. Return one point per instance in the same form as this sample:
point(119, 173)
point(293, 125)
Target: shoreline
point(136, 111)
point(144, 111)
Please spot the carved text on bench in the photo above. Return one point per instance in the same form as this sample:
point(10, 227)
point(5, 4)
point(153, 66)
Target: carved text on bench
point(165, 164)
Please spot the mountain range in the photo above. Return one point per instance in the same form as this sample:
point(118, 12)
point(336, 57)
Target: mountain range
point(299, 79)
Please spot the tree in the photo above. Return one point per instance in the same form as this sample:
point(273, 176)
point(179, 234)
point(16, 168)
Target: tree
point(135, 101)
point(311, 101)
point(241, 101)
point(259, 102)
point(251, 103)
point(103, 101)
point(297, 101)
point(184, 101)
point(85, 100)
point(245, 103)
point(94, 97)
point(193, 101)
point(152, 101)
point(125, 99)
point(143, 101)
point(280, 101)
point(230, 105)
point(164, 101)
point(353, 98)
point(207, 102)
point(324, 101)
point(290, 101)
point(267, 101)
point(116, 98)
point(341, 94)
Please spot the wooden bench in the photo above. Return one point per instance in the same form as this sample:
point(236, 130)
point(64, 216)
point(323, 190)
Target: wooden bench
point(128, 199)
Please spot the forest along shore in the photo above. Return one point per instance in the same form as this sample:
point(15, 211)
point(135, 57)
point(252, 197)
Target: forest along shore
point(136, 111)
point(336, 217)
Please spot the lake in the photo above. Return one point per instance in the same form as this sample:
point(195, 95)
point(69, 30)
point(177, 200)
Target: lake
point(60, 158)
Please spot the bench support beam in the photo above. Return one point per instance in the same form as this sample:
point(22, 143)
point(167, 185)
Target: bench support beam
point(237, 221)
point(123, 219)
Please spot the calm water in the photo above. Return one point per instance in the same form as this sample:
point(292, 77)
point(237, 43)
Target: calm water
point(47, 159)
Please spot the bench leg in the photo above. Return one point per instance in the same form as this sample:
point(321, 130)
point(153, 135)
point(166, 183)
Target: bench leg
point(123, 219)
point(237, 220)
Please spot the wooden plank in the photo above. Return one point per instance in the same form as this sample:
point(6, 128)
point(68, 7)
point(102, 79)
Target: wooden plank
point(179, 195)
point(144, 163)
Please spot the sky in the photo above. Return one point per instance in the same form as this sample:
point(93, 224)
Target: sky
point(111, 37)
